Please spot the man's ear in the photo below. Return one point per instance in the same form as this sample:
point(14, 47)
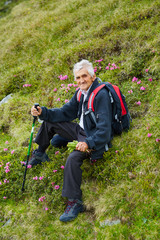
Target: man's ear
point(94, 77)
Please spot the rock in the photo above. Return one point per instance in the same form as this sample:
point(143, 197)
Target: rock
point(131, 175)
point(5, 100)
point(7, 2)
point(110, 222)
point(8, 222)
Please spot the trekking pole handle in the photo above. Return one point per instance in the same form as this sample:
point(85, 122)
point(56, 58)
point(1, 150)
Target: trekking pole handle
point(36, 105)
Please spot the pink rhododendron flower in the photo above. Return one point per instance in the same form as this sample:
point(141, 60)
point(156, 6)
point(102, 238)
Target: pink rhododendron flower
point(6, 142)
point(58, 99)
point(40, 178)
point(150, 79)
point(29, 166)
point(66, 100)
point(57, 152)
point(130, 91)
point(41, 199)
point(23, 163)
point(46, 209)
point(4, 197)
point(35, 178)
point(116, 151)
point(55, 171)
point(5, 149)
point(53, 183)
point(7, 167)
point(134, 79)
point(12, 151)
point(62, 167)
point(113, 66)
point(139, 82)
point(95, 69)
point(27, 85)
point(146, 70)
point(138, 103)
point(157, 139)
point(55, 90)
point(56, 187)
point(149, 134)
point(6, 181)
point(0, 183)
point(142, 88)
point(63, 77)
point(100, 60)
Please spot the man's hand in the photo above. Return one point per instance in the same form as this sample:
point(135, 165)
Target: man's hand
point(36, 112)
point(82, 146)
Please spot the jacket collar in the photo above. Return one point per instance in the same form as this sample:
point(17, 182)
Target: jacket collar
point(93, 86)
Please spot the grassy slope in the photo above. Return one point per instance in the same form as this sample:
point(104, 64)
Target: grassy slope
point(40, 40)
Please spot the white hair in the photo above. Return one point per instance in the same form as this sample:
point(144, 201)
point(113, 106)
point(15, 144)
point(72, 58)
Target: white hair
point(84, 64)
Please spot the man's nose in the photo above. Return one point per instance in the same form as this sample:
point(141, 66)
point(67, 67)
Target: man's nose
point(81, 79)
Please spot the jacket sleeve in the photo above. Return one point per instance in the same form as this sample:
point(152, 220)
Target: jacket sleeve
point(66, 113)
point(103, 116)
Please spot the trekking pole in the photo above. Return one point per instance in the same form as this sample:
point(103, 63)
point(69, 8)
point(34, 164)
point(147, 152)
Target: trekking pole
point(29, 148)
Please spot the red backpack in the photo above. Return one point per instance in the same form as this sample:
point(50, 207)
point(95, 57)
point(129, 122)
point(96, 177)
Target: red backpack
point(120, 114)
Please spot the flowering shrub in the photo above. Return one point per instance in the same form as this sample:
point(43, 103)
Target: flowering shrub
point(61, 77)
point(27, 85)
point(42, 182)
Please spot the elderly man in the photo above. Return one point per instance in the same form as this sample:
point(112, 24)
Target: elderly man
point(93, 136)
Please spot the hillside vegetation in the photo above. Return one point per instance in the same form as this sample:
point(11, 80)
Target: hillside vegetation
point(40, 41)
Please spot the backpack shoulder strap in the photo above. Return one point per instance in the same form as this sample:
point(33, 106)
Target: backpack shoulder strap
point(92, 96)
point(116, 94)
point(117, 90)
point(79, 94)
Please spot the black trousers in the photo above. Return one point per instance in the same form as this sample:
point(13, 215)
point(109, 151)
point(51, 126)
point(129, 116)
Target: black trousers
point(72, 171)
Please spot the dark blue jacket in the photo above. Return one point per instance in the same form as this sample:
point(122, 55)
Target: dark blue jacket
point(98, 134)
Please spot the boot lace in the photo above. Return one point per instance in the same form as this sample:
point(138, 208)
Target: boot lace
point(70, 205)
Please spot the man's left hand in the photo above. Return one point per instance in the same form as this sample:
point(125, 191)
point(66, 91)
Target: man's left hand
point(82, 146)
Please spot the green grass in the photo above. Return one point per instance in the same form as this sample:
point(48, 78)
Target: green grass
point(40, 40)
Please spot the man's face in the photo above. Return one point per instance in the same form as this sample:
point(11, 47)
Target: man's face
point(84, 80)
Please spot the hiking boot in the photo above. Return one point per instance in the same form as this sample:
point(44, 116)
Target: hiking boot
point(38, 158)
point(73, 209)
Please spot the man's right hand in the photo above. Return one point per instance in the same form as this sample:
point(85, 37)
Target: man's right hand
point(36, 112)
